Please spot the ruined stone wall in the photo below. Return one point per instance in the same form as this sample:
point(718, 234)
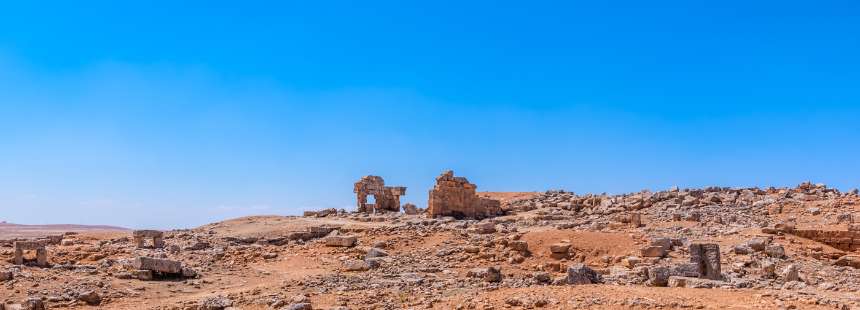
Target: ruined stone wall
point(845, 240)
point(387, 197)
point(455, 196)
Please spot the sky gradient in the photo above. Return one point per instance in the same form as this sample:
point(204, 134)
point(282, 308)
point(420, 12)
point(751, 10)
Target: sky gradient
point(169, 115)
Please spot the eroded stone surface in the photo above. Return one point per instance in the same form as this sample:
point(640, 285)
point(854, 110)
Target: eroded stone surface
point(455, 196)
point(386, 198)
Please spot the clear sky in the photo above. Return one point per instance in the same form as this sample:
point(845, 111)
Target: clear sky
point(161, 114)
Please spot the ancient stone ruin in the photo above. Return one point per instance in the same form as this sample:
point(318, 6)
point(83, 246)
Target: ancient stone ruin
point(386, 198)
point(845, 240)
point(38, 246)
point(707, 257)
point(455, 196)
point(148, 268)
point(140, 237)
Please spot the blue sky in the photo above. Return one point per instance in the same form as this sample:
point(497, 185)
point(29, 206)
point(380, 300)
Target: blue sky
point(169, 114)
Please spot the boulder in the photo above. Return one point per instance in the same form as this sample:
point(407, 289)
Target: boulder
point(215, 303)
point(852, 261)
point(34, 303)
point(519, 246)
point(301, 306)
point(410, 209)
point(356, 265)
point(90, 297)
point(6, 275)
point(658, 276)
point(157, 265)
point(692, 282)
point(631, 261)
point(653, 251)
point(775, 251)
point(560, 248)
point(484, 227)
point(758, 244)
point(488, 274)
point(376, 252)
point(581, 274)
point(790, 273)
point(340, 241)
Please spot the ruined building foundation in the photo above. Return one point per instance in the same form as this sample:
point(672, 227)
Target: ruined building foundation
point(38, 246)
point(387, 198)
point(455, 196)
point(140, 237)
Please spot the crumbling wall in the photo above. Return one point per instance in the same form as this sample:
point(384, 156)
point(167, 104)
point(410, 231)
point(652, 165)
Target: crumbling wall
point(387, 197)
point(845, 240)
point(455, 196)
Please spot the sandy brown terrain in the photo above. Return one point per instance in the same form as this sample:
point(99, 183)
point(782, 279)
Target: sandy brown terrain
point(412, 262)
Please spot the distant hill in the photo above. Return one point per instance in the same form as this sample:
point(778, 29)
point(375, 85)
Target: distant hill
point(9, 230)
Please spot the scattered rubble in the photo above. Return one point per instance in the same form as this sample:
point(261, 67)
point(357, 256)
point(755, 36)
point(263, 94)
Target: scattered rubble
point(774, 248)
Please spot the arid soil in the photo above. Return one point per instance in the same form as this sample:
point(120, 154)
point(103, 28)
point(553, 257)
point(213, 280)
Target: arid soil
point(552, 250)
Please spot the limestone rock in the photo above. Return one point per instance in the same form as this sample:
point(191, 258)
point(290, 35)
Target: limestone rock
point(852, 261)
point(90, 297)
point(157, 265)
point(581, 274)
point(215, 303)
point(707, 257)
point(340, 241)
point(488, 274)
point(790, 273)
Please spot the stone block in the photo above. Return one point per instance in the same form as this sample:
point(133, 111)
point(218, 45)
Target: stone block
point(340, 241)
point(157, 265)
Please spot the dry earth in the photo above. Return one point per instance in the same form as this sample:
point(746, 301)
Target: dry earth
point(411, 262)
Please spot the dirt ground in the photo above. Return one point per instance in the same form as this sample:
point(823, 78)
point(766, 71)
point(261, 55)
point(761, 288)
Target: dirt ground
point(427, 266)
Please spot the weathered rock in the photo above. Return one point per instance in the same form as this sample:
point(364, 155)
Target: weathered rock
point(301, 306)
point(157, 265)
point(410, 209)
point(707, 257)
point(790, 273)
point(6, 275)
point(775, 251)
point(852, 261)
point(519, 245)
point(340, 241)
point(356, 265)
point(484, 227)
point(215, 303)
point(690, 282)
point(488, 274)
point(631, 261)
point(34, 304)
point(90, 297)
point(743, 249)
point(758, 244)
point(559, 248)
point(653, 251)
point(375, 252)
point(658, 276)
point(581, 274)
point(542, 277)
